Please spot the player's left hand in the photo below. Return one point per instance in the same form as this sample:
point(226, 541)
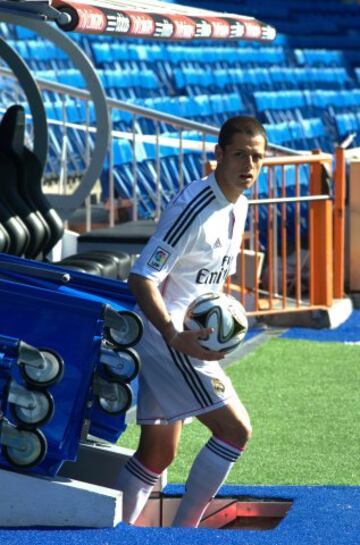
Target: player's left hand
point(188, 343)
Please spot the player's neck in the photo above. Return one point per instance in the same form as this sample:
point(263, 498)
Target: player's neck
point(231, 193)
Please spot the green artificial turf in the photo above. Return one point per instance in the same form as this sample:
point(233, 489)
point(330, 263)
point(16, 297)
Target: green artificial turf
point(304, 402)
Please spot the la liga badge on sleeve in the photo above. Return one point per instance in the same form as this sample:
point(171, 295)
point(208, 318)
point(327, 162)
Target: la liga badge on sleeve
point(159, 258)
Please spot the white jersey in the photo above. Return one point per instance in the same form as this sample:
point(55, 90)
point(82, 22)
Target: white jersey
point(195, 245)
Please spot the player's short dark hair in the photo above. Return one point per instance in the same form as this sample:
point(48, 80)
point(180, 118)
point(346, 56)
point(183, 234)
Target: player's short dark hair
point(243, 124)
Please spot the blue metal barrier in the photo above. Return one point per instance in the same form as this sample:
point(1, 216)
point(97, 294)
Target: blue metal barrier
point(59, 322)
point(93, 334)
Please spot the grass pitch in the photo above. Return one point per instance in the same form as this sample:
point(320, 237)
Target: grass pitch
point(304, 402)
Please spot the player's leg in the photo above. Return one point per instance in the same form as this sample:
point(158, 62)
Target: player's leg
point(231, 430)
point(157, 448)
point(158, 444)
point(230, 423)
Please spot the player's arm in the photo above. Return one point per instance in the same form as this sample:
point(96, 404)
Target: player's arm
point(152, 304)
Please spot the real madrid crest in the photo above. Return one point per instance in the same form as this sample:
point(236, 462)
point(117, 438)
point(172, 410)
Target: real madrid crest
point(219, 387)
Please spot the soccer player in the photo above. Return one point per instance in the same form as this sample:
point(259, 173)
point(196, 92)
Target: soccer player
point(192, 252)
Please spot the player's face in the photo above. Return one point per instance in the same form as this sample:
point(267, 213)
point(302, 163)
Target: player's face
point(239, 164)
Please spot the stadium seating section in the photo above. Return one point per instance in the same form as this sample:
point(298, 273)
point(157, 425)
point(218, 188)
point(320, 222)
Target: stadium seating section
point(304, 86)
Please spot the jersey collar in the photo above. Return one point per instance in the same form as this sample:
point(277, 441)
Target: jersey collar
point(217, 191)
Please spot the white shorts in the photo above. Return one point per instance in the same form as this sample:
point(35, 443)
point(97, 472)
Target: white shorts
point(173, 386)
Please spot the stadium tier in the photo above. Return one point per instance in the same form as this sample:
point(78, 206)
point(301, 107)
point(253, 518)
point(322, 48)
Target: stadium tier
point(313, 54)
point(303, 87)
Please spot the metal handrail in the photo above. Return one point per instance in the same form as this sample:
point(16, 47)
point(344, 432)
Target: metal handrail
point(133, 135)
point(174, 120)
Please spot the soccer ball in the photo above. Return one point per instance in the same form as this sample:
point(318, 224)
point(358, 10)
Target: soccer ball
point(224, 314)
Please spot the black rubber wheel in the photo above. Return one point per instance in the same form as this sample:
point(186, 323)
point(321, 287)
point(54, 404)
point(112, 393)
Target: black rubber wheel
point(107, 264)
point(128, 368)
point(90, 267)
point(33, 454)
point(101, 257)
point(50, 375)
point(119, 405)
point(36, 417)
point(122, 260)
point(130, 332)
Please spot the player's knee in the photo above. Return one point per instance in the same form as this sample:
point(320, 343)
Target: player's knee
point(247, 432)
point(167, 455)
point(159, 457)
point(237, 433)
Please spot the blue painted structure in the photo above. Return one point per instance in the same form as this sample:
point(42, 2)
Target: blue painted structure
point(347, 332)
point(66, 312)
point(70, 328)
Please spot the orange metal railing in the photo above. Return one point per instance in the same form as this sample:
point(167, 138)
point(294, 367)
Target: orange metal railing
point(339, 223)
point(300, 272)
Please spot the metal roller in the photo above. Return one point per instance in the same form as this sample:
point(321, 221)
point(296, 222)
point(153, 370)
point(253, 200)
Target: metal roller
point(113, 398)
point(22, 448)
point(120, 364)
point(30, 408)
point(45, 371)
point(123, 328)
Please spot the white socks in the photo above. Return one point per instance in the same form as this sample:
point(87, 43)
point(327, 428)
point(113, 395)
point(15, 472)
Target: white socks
point(136, 482)
point(209, 470)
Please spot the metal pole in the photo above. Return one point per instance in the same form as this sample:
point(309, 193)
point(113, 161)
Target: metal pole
point(111, 181)
point(181, 160)
point(87, 161)
point(283, 238)
point(134, 172)
point(158, 184)
point(297, 239)
point(204, 155)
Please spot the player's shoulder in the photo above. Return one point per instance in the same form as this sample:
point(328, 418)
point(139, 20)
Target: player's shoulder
point(184, 213)
point(197, 190)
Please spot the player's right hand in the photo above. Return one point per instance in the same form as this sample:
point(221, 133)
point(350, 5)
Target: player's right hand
point(188, 343)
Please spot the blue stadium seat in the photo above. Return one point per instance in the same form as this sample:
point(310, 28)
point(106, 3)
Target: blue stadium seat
point(357, 73)
point(313, 128)
point(204, 105)
point(346, 124)
point(237, 76)
point(308, 77)
point(48, 74)
point(257, 78)
point(278, 133)
point(233, 103)
point(118, 51)
point(340, 100)
point(71, 77)
point(101, 53)
point(21, 48)
point(25, 33)
point(319, 57)
point(7, 31)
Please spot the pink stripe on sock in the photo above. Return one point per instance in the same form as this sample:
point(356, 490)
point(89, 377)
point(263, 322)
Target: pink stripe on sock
point(156, 471)
point(240, 449)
